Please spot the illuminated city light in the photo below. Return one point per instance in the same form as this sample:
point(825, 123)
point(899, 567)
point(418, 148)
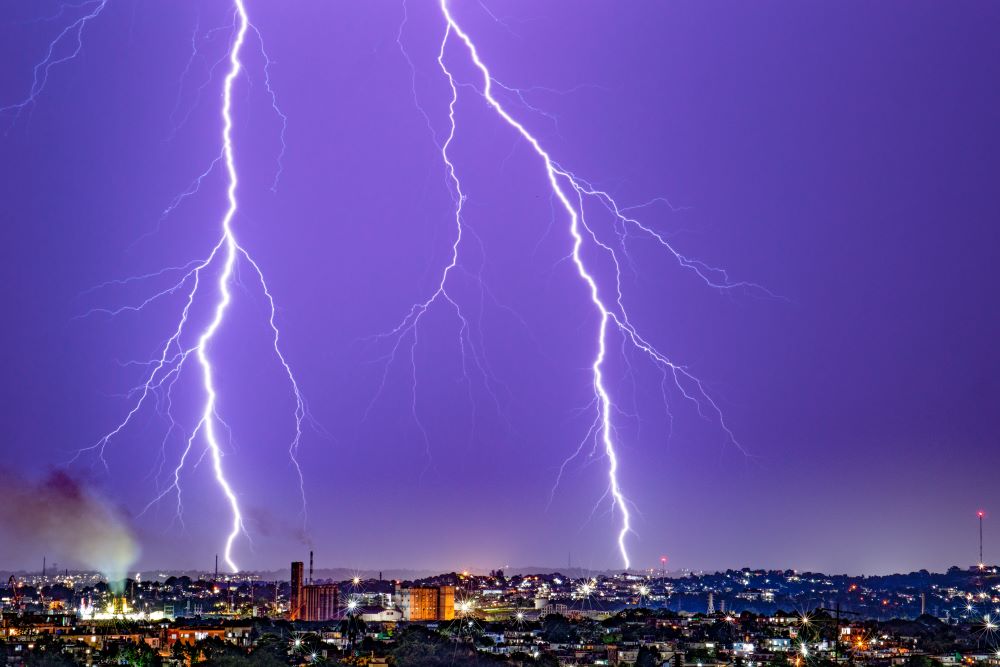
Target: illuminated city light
point(587, 588)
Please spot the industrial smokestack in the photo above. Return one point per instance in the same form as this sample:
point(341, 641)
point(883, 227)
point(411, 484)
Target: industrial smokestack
point(43, 565)
point(310, 568)
point(216, 566)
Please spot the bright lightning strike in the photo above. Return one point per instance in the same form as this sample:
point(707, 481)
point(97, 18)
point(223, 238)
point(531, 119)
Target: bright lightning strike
point(571, 192)
point(190, 342)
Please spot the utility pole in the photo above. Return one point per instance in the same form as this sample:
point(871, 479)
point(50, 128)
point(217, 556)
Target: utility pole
point(836, 642)
point(836, 645)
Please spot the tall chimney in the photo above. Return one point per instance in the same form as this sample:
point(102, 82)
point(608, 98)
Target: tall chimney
point(295, 592)
point(310, 568)
point(216, 566)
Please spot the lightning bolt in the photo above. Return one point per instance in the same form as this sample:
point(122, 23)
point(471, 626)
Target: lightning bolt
point(190, 343)
point(570, 192)
point(404, 337)
point(71, 35)
point(408, 328)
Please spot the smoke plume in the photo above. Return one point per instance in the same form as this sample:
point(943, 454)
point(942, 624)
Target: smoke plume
point(68, 520)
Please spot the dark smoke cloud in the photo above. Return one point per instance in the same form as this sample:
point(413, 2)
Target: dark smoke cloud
point(67, 519)
point(266, 524)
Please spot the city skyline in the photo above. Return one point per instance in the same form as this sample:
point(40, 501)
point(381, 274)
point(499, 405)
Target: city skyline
point(632, 620)
point(379, 390)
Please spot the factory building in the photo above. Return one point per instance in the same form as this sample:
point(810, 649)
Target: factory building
point(428, 603)
point(320, 602)
point(311, 602)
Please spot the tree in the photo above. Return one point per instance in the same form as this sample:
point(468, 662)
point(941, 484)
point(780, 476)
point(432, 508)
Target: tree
point(353, 627)
point(254, 659)
point(698, 655)
point(648, 657)
point(178, 652)
point(136, 654)
point(556, 629)
point(47, 653)
point(48, 659)
point(547, 660)
point(921, 661)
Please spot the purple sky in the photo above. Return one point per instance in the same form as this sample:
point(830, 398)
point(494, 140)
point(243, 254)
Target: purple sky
point(844, 155)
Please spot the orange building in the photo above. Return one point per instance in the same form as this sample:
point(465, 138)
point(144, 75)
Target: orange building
point(295, 593)
point(429, 603)
point(446, 603)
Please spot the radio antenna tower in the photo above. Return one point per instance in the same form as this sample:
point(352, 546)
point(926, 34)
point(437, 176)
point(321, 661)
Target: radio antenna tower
point(981, 514)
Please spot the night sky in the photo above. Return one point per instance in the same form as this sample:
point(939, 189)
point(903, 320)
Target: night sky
point(842, 155)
